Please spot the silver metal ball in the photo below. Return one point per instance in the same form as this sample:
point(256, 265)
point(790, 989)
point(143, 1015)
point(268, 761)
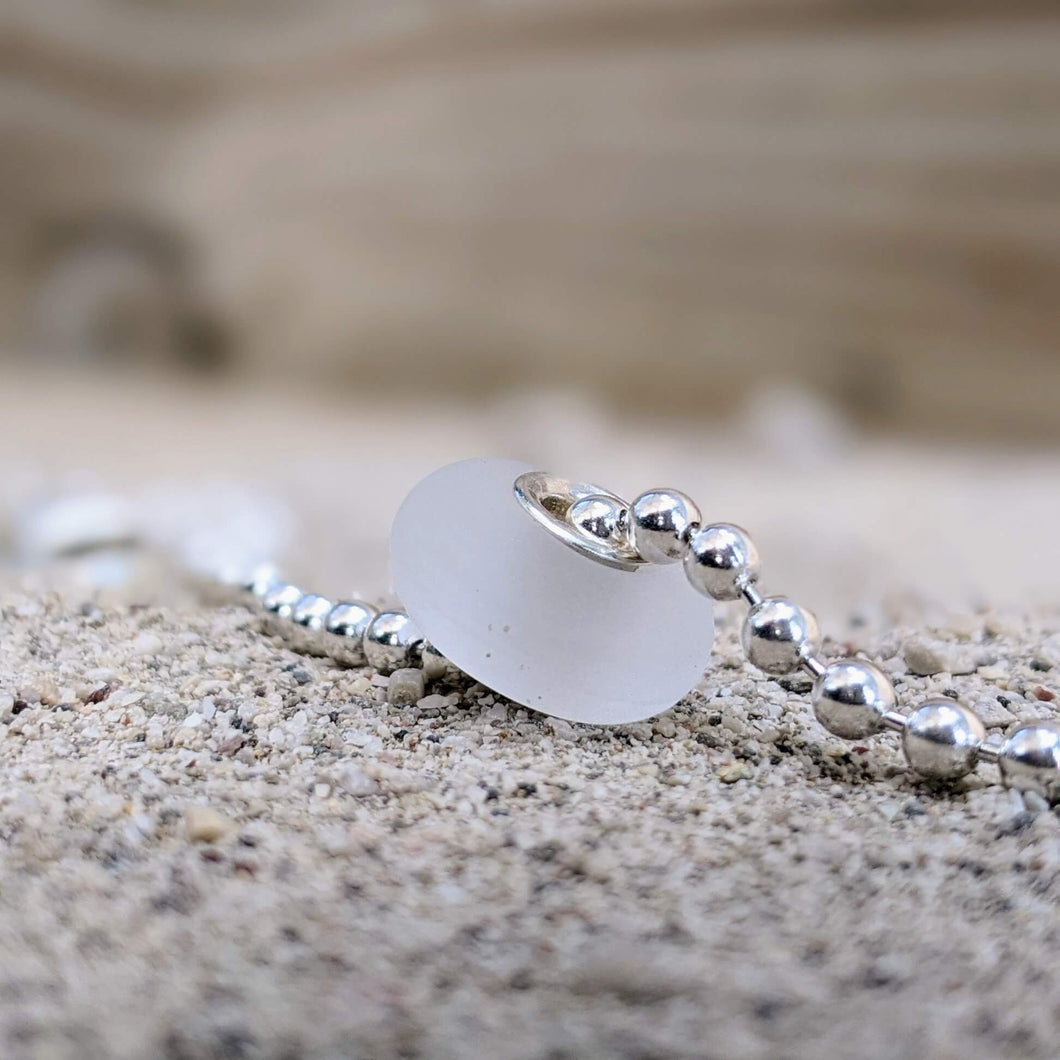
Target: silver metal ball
point(941, 739)
point(345, 627)
point(778, 635)
point(721, 561)
point(277, 606)
point(308, 620)
point(391, 641)
point(851, 697)
point(1030, 760)
point(598, 517)
point(282, 599)
point(260, 581)
point(660, 522)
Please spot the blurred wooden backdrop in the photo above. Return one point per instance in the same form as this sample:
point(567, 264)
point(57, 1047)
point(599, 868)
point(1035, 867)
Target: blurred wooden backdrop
point(661, 201)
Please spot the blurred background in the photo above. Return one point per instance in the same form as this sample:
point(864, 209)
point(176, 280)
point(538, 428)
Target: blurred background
point(798, 257)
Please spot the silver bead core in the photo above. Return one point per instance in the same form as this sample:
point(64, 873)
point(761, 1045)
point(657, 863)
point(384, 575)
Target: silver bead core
point(941, 739)
point(391, 641)
point(851, 698)
point(778, 634)
point(1030, 760)
point(721, 561)
point(660, 522)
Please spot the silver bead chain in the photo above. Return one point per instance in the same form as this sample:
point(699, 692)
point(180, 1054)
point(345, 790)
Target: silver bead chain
point(349, 632)
point(852, 698)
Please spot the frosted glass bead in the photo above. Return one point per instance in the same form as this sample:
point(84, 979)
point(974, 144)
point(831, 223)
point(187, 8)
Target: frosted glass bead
point(530, 618)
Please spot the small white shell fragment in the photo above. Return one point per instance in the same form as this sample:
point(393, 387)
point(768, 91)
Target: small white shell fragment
point(519, 611)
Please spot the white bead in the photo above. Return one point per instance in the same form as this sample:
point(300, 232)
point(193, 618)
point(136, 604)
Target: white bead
point(721, 561)
point(778, 635)
point(515, 608)
point(941, 739)
point(851, 697)
point(659, 524)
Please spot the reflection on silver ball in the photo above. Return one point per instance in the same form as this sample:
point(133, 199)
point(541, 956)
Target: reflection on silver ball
point(345, 627)
point(391, 641)
point(1030, 760)
point(721, 561)
point(311, 611)
point(941, 739)
point(851, 697)
point(778, 634)
point(260, 581)
point(282, 599)
point(309, 617)
point(659, 524)
point(278, 605)
point(599, 518)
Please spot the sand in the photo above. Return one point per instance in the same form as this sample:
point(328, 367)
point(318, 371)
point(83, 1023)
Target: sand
point(214, 847)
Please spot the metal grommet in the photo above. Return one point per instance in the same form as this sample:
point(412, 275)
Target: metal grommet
point(549, 500)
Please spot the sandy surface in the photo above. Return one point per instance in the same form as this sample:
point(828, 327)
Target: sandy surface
point(216, 848)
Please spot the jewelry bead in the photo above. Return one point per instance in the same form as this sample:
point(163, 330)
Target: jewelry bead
point(345, 628)
point(391, 641)
point(308, 617)
point(851, 697)
point(281, 599)
point(261, 580)
point(721, 561)
point(1030, 760)
point(778, 634)
point(659, 524)
point(941, 739)
point(597, 517)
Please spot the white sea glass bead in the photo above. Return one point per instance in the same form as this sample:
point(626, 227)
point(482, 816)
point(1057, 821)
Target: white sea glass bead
point(531, 618)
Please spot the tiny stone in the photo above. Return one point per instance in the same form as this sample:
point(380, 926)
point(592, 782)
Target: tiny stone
point(992, 673)
point(925, 658)
point(205, 825)
point(734, 771)
point(355, 782)
point(993, 714)
point(147, 644)
point(406, 686)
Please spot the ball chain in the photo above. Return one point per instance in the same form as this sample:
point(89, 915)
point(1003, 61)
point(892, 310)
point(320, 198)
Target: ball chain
point(350, 632)
point(852, 698)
